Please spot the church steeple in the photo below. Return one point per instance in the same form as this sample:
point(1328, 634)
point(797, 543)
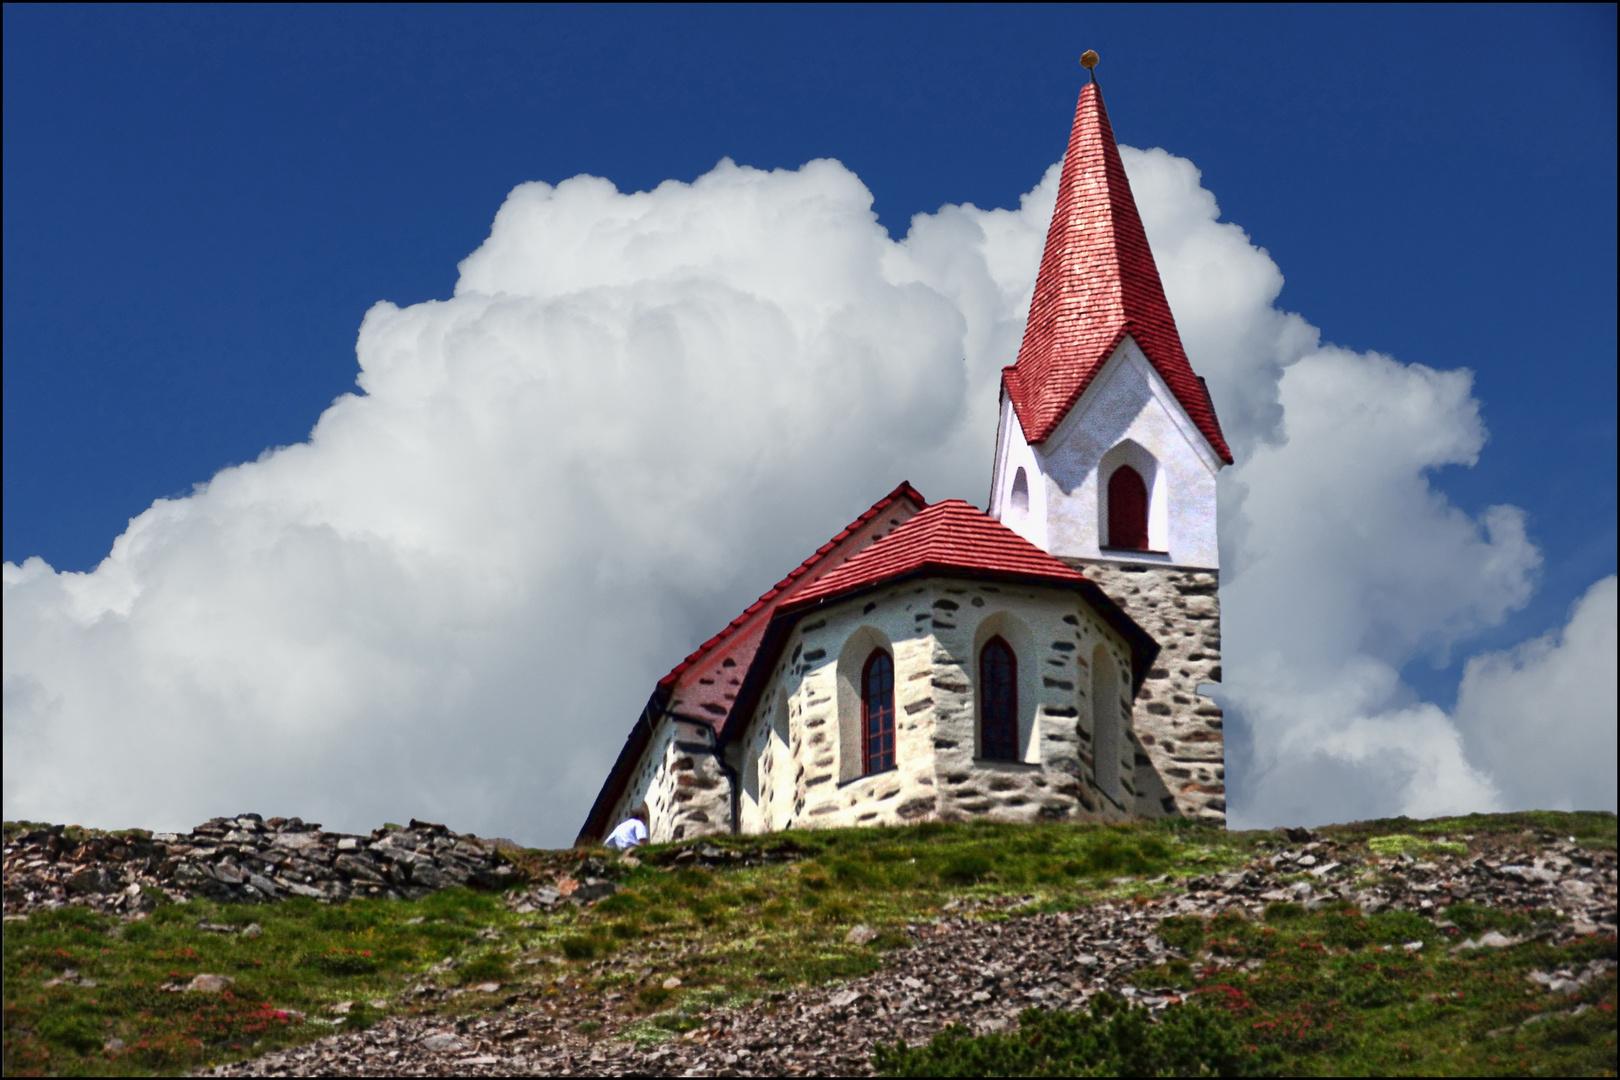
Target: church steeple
point(1098, 282)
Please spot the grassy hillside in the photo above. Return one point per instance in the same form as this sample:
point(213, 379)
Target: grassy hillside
point(1333, 991)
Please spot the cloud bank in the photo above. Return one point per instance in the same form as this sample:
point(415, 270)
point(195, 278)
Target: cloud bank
point(638, 410)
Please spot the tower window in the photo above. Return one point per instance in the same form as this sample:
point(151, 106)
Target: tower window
point(1127, 510)
point(998, 701)
point(1020, 495)
point(877, 713)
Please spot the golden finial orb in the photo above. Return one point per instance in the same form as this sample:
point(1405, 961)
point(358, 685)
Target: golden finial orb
point(1088, 59)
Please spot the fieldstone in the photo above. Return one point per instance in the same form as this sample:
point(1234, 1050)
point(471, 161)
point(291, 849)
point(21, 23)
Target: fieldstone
point(594, 889)
point(860, 934)
point(264, 885)
point(92, 880)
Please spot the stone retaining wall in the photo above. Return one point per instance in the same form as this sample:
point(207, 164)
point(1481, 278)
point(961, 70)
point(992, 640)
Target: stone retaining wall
point(245, 858)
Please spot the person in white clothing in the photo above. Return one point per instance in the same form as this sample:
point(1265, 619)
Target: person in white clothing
point(632, 831)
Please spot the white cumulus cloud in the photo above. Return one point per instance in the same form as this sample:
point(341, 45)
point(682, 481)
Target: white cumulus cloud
point(1541, 717)
point(636, 412)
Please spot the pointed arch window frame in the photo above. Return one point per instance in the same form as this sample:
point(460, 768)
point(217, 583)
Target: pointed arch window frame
point(877, 713)
point(1137, 507)
point(998, 701)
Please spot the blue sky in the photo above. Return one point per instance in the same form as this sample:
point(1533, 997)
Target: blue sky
point(203, 202)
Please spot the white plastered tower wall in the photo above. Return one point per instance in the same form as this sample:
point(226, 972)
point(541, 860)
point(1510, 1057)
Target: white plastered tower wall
point(1128, 415)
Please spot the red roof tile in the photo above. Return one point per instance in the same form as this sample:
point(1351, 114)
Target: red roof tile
point(704, 685)
point(1098, 282)
point(949, 535)
point(949, 538)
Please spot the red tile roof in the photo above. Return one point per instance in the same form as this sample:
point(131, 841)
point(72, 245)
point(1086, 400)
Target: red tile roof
point(949, 535)
point(949, 538)
point(1098, 282)
point(704, 685)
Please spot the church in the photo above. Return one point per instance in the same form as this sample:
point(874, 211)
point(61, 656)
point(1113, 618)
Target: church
point(1038, 660)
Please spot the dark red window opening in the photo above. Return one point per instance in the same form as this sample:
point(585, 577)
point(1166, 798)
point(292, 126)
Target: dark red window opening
point(998, 697)
point(1127, 510)
point(877, 713)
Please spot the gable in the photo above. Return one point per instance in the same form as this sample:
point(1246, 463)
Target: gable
point(1125, 386)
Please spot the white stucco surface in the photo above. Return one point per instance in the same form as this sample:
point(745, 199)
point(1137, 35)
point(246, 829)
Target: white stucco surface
point(1126, 416)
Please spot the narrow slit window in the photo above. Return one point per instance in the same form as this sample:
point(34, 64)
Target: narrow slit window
point(1127, 510)
point(998, 696)
point(877, 713)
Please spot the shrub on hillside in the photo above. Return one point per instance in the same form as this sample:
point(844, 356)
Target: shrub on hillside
point(1109, 1040)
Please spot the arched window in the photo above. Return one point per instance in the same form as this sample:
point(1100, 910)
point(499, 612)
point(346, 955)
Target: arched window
point(877, 713)
point(998, 701)
point(1127, 510)
point(1020, 495)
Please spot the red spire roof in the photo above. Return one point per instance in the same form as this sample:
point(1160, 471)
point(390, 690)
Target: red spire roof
point(1098, 282)
point(704, 685)
point(950, 535)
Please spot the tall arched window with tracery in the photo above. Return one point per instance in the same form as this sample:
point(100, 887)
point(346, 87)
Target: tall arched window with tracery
point(998, 701)
point(877, 713)
point(1127, 510)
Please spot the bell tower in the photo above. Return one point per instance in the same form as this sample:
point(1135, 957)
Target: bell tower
point(1107, 451)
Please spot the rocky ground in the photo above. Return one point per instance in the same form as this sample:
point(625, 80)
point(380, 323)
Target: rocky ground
point(964, 968)
point(246, 858)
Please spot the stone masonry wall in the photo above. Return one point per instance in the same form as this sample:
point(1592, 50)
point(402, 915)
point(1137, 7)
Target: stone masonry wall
point(700, 791)
point(242, 859)
point(653, 785)
point(843, 637)
point(934, 630)
point(1056, 777)
point(682, 782)
point(1180, 732)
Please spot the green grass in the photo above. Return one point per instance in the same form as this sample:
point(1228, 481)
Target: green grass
point(1589, 827)
point(307, 958)
point(727, 935)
